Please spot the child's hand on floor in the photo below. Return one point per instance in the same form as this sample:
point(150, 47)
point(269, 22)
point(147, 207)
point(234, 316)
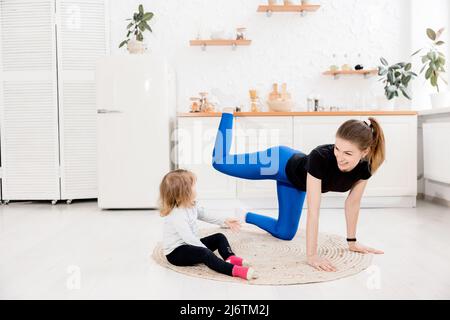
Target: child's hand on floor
point(233, 224)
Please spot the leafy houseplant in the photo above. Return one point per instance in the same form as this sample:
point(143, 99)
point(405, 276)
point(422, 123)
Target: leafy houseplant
point(396, 78)
point(136, 28)
point(434, 61)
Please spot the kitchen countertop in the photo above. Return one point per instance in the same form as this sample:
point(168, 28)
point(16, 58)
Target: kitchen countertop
point(303, 113)
point(437, 111)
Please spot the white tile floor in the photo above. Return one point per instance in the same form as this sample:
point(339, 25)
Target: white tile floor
point(79, 252)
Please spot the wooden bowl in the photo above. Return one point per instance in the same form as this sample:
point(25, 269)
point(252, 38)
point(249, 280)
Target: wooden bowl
point(280, 105)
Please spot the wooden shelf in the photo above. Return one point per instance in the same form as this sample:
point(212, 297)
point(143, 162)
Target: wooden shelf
point(268, 9)
point(224, 42)
point(365, 73)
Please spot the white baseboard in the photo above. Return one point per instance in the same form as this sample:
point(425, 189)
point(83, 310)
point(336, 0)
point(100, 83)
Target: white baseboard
point(437, 200)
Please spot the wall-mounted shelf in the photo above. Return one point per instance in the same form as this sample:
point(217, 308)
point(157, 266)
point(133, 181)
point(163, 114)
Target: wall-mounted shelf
point(225, 42)
point(302, 9)
point(365, 73)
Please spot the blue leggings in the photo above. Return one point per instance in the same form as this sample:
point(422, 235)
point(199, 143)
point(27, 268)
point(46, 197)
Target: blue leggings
point(269, 164)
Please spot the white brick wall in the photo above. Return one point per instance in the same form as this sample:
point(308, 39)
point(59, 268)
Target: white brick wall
point(286, 47)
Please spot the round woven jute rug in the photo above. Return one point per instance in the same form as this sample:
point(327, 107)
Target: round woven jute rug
point(278, 262)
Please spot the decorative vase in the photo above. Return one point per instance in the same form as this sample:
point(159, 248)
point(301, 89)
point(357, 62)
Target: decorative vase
point(135, 47)
point(440, 100)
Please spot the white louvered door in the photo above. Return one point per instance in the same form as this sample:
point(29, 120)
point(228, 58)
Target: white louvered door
point(82, 37)
point(28, 100)
point(48, 53)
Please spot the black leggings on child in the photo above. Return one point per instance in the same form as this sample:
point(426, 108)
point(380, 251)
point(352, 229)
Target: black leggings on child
point(187, 255)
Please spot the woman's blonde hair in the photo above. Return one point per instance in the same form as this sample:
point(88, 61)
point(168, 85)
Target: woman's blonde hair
point(176, 189)
point(365, 136)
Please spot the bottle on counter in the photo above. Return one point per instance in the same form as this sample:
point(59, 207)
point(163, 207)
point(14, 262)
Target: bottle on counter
point(240, 33)
point(285, 95)
point(204, 103)
point(195, 104)
point(317, 103)
point(310, 103)
point(255, 103)
point(274, 95)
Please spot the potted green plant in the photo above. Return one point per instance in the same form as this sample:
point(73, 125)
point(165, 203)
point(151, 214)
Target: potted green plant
point(433, 62)
point(136, 29)
point(396, 79)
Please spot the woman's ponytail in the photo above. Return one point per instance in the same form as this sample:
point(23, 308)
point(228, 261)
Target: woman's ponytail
point(377, 152)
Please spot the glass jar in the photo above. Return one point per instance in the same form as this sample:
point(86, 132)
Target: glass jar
point(240, 33)
point(203, 101)
point(334, 66)
point(310, 103)
point(346, 64)
point(255, 105)
point(195, 104)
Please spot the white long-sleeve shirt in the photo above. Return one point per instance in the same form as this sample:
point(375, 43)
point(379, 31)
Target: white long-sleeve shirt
point(180, 227)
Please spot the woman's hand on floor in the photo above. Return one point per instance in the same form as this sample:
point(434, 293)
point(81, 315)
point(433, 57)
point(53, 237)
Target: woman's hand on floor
point(321, 264)
point(233, 223)
point(357, 247)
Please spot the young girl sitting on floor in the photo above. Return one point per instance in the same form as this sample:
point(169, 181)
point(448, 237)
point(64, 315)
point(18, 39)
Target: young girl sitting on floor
point(182, 246)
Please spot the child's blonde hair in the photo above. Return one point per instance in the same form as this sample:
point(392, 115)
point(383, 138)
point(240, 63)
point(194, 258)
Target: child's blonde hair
point(176, 189)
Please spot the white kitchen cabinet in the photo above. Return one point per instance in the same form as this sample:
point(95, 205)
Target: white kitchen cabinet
point(433, 155)
point(257, 134)
point(310, 132)
point(436, 151)
point(397, 176)
point(195, 143)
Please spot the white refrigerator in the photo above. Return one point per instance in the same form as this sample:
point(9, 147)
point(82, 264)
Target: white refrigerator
point(135, 104)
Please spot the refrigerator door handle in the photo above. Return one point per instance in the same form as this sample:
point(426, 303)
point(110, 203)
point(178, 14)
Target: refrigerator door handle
point(108, 111)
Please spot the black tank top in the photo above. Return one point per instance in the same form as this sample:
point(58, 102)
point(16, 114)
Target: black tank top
point(322, 164)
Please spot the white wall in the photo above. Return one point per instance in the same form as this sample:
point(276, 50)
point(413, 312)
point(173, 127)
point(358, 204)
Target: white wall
point(427, 14)
point(286, 47)
point(430, 14)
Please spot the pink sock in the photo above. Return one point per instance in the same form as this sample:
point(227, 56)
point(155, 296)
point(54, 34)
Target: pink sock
point(237, 261)
point(243, 272)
